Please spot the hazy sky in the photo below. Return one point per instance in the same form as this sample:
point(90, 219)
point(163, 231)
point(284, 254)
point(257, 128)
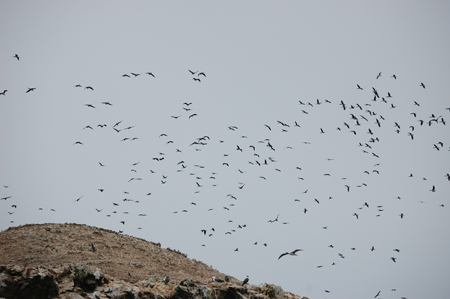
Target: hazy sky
point(277, 77)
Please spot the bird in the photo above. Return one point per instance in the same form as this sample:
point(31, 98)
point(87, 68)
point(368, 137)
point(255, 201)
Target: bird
point(377, 294)
point(358, 87)
point(227, 279)
point(4, 92)
point(30, 89)
point(276, 219)
point(89, 87)
point(150, 74)
point(16, 56)
point(393, 259)
point(421, 84)
point(216, 279)
point(93, 247)
point(290, 253)
point(166, 280)
point(379, 75)
point(245, 281)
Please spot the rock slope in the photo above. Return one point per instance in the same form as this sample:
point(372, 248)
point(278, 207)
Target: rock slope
point(79, 261)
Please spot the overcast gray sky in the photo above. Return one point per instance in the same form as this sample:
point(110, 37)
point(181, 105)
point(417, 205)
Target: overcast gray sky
point(276, 76)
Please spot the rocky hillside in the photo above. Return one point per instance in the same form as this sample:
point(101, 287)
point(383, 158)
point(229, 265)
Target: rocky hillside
point(75, 261)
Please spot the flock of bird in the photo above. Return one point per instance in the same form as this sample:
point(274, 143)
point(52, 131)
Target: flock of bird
point(361, 120)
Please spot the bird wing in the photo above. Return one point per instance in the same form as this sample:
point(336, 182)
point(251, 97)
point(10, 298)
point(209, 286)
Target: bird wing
point(283, 254)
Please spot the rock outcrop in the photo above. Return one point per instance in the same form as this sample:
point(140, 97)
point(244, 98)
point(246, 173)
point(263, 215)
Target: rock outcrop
point(75, 261)
point(80, 281)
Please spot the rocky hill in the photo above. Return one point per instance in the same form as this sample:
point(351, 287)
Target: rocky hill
point(79, 261)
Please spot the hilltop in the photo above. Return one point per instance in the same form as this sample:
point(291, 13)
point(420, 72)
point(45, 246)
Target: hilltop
point(71, 259)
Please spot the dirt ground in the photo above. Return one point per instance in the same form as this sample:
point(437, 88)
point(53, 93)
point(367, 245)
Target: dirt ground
point(121, 256)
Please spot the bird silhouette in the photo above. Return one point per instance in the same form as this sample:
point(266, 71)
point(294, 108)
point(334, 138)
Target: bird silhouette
point(290, 253)
point(245, 281)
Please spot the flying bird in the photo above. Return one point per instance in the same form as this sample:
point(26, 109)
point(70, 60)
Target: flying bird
point(16, 56)
point(290, 253)
point(30, 89)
